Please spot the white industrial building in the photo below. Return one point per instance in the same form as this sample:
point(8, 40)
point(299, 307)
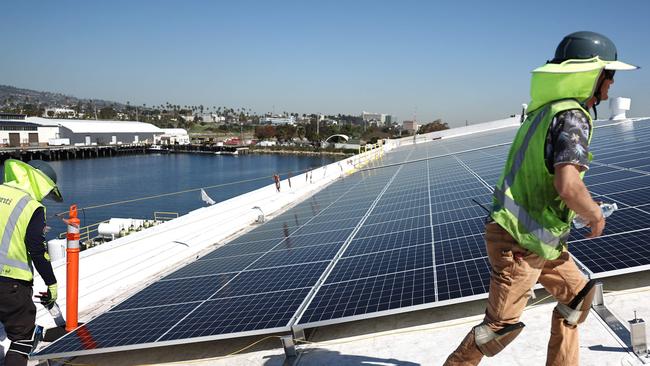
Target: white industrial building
point(21, 131)
point(172, 136)
point(377, 118)
point(410, 126)
point(16, 133)
point(93, 132)
point(278, 121)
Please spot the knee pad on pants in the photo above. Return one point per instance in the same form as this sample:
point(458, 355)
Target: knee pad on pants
point(577, 310)
point(490, 342)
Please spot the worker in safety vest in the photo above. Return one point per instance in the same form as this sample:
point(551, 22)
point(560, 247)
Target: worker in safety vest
point(22, 247)
point(536, 198)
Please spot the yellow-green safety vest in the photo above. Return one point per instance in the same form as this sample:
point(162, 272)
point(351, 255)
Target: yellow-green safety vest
point(16, 210)
point(23, 189)
point(526, 203)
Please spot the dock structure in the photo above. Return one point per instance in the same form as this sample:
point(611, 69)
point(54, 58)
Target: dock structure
point(70, 152)
point(210, 149)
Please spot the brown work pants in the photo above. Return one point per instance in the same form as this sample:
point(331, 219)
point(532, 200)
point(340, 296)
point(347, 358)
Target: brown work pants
point(515, 271)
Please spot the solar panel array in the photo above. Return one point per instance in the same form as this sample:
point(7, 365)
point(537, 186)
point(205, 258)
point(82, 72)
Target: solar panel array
point(392, 239)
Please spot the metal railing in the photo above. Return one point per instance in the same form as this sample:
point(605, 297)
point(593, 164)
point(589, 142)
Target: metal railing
point(90, 232)
point(85, 232)
point(164, 216)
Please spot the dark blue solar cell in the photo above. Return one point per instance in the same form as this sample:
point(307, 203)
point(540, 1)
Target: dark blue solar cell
point(240, 314)
point(461, 214)
point(620, 185)
point(634, 163)
point(316, 226)
point(369, 295)
point(382, 263)
point(464, 196)
point(394, 212)
point(594, 168)
point(461, 203)
point(291, 256)
point(255, 235)
point(273, 279)
point(633, 198)
point(229, 250)
point(120, 328)
point(176, 291)
point(380, 228)
point(460, 249)
point(592, 179)
point(459, 229)
point(338, 214)
point(462, 279)
point(397, 240)
point(616, 252)
point(621, 157)
point(334, 236)
point(215, 266)
point(620, 221)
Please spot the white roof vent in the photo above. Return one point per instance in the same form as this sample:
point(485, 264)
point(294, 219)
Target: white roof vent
point(619, 106)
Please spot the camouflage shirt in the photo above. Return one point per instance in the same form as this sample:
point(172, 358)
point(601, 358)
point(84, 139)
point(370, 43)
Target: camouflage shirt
point(567, 140)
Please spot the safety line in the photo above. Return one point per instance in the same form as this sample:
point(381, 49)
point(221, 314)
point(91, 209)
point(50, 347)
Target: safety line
point(174, 193)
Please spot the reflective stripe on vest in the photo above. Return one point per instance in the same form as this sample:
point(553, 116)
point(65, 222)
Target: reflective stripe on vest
point(532, 226)
point(10, 227)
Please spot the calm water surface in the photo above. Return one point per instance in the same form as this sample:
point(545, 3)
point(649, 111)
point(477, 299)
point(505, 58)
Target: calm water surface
point(97, 181)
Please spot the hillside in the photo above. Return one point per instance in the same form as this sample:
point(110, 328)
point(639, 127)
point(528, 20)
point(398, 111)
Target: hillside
point(11, 95)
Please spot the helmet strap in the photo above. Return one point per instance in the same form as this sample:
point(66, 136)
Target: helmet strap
point(597, 96)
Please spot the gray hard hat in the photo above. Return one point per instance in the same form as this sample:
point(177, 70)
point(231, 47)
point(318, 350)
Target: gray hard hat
point(44, 167)
point(47, 169)
point(586, 45)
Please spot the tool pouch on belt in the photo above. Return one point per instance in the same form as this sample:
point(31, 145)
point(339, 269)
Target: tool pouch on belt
point(490, 342)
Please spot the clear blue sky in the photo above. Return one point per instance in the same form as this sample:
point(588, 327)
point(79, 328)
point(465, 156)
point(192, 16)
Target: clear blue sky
point(455, 60)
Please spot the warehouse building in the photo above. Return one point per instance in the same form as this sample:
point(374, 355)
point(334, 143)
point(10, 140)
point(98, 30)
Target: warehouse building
point(172, 136)
point(93, 132)
point(15, 132)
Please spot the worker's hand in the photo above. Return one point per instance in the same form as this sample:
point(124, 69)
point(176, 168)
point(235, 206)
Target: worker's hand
point(49, 298)
point(597, 227)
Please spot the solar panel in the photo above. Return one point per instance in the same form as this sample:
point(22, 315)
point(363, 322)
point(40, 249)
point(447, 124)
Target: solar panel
point(393, 238)
point(460, 259)
point(236, 289)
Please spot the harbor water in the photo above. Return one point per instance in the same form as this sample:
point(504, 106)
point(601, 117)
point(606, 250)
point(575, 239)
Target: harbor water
point(100, 181)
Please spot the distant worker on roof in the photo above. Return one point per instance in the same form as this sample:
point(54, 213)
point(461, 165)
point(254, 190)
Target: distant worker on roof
point(22, 247)
point(536, 198)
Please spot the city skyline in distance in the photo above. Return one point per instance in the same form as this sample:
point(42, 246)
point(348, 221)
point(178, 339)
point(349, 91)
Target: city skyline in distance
point(458, 63)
